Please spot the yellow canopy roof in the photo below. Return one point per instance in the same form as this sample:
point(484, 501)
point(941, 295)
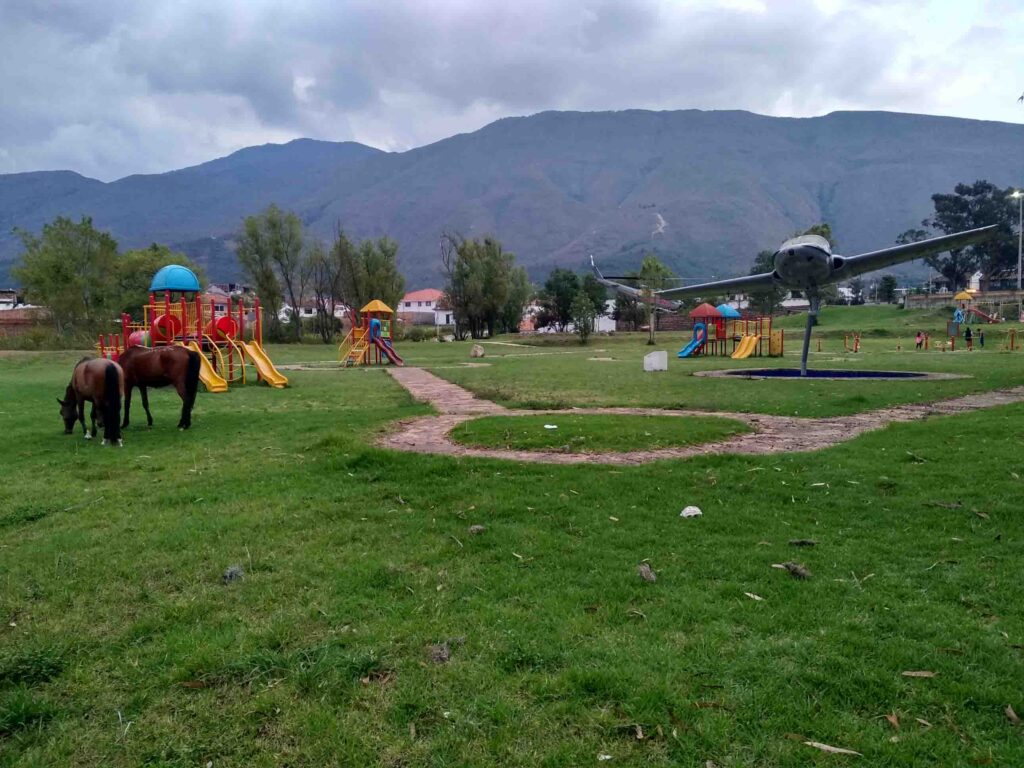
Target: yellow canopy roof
point(963, 296)
point(377, 306)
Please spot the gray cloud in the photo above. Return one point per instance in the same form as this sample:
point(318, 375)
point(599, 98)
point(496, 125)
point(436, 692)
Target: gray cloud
point(110, 87)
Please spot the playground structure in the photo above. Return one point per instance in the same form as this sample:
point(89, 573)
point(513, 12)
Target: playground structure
point(370, 340)
point(227, 339)
point(722, 331)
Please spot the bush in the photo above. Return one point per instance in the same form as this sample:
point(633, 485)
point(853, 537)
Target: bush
point(420, 333)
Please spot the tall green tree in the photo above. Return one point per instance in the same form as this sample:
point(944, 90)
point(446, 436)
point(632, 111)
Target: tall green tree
point(369, 271)
point(520, 293)
point(258, 253)
point(596, 292)
point(135, 270)
point(887, 289)
point(480, 282)
point(654, 276)
point(325, 283)
point(556, 298)
point(765, 301)
point(583, 315)
point(970, 206)
point(71, 268)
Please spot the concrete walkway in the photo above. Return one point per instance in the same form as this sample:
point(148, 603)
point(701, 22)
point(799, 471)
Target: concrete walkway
point(771, 434)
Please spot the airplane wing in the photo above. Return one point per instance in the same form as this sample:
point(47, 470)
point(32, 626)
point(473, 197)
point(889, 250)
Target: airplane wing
point(845, 267)
point(737, 284)
point(721, 287)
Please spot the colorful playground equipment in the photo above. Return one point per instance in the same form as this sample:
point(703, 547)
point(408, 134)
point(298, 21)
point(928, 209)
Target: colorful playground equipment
point(722, 331)
point(176, 314)
point(369, 342)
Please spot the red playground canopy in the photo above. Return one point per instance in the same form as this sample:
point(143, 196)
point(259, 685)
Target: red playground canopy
point(704, 310)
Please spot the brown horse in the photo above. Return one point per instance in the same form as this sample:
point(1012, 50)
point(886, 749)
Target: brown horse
point(100, 382)
point(144, 367)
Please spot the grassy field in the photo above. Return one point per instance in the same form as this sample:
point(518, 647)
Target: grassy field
point(587, 434)
point(122, 645)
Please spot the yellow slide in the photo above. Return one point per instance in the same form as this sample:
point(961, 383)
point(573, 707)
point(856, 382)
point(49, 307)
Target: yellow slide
point(746, 348)
point(266, 368)
point(213, 380)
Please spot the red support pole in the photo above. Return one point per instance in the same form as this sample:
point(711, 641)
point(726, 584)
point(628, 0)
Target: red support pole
point(241, 320)
point(184, 317)
point(259, 321)
point(199, 316)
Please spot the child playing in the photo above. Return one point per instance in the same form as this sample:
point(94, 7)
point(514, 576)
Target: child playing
point(918, 340)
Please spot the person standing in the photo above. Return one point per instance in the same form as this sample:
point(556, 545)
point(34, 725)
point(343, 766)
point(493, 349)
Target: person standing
point(981, 338)
point(969, 338)
point(918, 340)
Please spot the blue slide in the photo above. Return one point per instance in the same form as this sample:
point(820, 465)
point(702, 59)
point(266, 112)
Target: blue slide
point(700, 338)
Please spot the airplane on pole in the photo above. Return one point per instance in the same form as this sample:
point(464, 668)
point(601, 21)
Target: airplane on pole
point(806, 263)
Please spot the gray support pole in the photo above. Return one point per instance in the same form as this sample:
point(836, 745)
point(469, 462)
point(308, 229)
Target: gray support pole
point(812, 312)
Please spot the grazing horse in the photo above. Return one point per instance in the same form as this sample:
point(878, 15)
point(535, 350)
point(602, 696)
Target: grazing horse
point(144, 367)
point(101, 382)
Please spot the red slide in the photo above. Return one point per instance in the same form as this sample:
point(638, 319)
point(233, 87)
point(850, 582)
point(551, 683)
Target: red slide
point(978, 313)
point(384, 345)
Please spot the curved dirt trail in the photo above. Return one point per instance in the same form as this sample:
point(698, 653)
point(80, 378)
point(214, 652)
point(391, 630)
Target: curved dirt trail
point(771, 434)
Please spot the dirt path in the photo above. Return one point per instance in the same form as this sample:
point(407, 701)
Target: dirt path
point(771, 434)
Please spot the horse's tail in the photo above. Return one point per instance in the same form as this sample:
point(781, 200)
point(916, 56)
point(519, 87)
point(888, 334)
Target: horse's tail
point(191, 385)
point(112, 403)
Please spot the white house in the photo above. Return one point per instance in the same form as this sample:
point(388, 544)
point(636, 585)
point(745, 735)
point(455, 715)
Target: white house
point(8, 298)
point(424, 307)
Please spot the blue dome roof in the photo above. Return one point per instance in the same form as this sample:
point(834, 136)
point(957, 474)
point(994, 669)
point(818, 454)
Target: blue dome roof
point(175, 277)
point(728, 311)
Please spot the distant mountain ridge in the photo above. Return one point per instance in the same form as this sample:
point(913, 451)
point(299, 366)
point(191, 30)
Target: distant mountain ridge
point(704, 190)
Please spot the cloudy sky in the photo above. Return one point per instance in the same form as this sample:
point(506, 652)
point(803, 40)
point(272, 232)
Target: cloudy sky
point(113, 87)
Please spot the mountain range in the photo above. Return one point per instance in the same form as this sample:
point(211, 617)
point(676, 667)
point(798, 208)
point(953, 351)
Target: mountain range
point(703, 190)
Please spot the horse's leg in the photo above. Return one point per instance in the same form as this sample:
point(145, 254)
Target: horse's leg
point(92, 418)
point(127, 406)
point(81, 418)
point(186, 418)
point(145, 404)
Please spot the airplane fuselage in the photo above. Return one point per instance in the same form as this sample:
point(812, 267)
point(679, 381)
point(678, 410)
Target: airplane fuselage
point(804, 262)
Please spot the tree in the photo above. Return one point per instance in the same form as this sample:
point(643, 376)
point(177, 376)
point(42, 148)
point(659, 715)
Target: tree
point(978, 205)
point(856, 291)
point(970, 206)
point(479, 288)
point(325, 284)
point(135, 270)
point(254, 247)
point(520, 292)
point(368, 271)
point(887, 289)
point(556, 298)
point(654, 276)
point(280, 234)
point(596, 292)
point(765, 301)
point(70, 268)
point(628, 309)
point(583, 315)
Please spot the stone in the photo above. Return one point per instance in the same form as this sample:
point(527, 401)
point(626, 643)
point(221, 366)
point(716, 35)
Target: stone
point(477, 351)
point(232, 573)
point(691, 512)
point(646, 572)
point(656, 361)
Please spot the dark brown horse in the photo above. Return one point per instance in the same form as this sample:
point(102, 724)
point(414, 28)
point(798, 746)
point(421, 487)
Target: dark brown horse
point(160, 367)
point(100, 382)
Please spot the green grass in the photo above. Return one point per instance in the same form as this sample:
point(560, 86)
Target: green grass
point(121, 646)
point(594, 433)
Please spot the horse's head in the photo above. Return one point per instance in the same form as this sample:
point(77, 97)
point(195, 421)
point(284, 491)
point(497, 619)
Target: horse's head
point(68, 411)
